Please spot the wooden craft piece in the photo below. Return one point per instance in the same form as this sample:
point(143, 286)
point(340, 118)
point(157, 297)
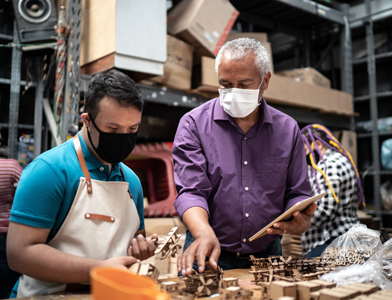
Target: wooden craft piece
point(169, 245)
point(145, 269)
point(202, 289)
point(228, 282)
point(169, 286)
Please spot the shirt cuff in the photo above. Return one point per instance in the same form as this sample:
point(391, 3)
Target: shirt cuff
point(185, 201)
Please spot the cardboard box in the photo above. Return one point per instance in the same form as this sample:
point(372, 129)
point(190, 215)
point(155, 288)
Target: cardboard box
point(324, 284)
point(262, 37)
point(308, 75)
point(203, 23)
point(162, 226)
point(363, 288)
point(282, 289)
point(204, 77)
point(109, 39)
point(286, 91)
point(305, 288)
point(178, 66)
point(338, 294)
point(258, 36)
point(348, 139)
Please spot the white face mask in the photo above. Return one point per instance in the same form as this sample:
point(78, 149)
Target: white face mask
point(239, 103)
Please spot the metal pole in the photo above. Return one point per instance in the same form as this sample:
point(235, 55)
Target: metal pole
point(72, 78)
point(14, 96)
point(346, 63)
point(371, 66)
point(39, 64)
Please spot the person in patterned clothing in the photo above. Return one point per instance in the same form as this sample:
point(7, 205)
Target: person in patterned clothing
point(332, 170)
point(10, 171)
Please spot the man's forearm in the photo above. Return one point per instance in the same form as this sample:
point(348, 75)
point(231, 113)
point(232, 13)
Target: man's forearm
point(46, 263)
point(196, 220)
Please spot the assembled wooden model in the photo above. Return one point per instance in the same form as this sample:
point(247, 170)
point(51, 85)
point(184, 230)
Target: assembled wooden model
point(337, 256)
point(289, 269)
point(170, 244)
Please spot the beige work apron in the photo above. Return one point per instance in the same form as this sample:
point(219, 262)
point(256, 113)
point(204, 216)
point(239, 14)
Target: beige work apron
point(100, 224)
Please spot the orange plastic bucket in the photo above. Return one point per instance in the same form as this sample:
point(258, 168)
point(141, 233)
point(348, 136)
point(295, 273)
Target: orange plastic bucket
point(108, 283)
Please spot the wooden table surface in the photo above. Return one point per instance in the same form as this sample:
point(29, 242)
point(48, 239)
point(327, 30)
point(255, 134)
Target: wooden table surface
point(243, 275)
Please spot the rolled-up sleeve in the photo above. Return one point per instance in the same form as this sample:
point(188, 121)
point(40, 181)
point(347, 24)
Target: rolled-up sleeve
point(297, 183)
point(190, 168)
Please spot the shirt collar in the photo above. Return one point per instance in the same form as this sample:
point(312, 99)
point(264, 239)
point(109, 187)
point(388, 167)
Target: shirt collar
point(92, 162)
point(264, 109)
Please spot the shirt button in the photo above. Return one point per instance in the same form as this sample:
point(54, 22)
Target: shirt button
point(102, 168)
point(244, 240)
point(245, 162)
point(246, 188)
point(245, 138)
point(246, 215)
point(238, 254)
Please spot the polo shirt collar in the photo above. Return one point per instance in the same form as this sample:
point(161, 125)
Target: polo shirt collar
point(92, 162)
point(265, 110)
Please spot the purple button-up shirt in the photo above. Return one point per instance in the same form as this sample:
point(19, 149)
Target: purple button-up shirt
point(243, 181)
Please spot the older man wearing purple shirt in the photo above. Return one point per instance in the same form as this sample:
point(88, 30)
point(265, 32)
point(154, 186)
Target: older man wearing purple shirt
point(239, 164)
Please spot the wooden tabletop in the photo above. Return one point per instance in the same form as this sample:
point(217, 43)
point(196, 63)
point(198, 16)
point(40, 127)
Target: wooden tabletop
point(243, 275)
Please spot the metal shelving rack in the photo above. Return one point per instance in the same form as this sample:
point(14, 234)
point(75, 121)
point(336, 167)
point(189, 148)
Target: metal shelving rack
point(368, 14)
point(72, 92)
point(297, 12)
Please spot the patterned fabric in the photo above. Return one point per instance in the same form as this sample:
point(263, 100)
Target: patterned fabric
point(332, 219)
point(10, 171)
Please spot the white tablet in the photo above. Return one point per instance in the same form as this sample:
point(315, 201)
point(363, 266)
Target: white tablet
point(300, 206)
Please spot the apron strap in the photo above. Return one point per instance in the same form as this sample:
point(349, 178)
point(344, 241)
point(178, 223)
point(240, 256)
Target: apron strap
point(123, 175)
point(79, 153)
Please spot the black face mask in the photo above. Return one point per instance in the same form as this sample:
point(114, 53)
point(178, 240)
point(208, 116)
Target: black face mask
point(316, 158)
point(113, 147)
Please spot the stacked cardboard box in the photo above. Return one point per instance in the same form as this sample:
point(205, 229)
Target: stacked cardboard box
point(107, 42)
point(202, 23)
point(200, 26)
point(286, 91)
point(178, 66)
point(308, 75)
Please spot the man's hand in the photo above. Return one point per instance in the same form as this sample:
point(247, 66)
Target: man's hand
point(122, 262)
point(299, 224)
point(141, 247)
point(206, 245)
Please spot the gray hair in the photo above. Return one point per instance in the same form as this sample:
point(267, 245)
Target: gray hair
point(239, 48)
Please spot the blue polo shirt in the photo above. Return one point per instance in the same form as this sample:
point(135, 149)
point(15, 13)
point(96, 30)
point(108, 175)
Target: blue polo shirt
point(48, 186)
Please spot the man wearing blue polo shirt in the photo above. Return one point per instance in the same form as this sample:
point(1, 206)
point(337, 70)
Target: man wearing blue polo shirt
point(77, 206)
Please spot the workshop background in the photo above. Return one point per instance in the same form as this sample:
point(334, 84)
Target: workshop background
point(331, 64)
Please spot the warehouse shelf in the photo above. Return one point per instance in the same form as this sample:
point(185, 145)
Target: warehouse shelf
point(20, 126)
point(172, 97)
point(377, 57)
point(176, 98)
point(8, 81)
point(369, 135)
point(381, 172)
point(6, 37)
point(373, 212)
point(378, 95)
